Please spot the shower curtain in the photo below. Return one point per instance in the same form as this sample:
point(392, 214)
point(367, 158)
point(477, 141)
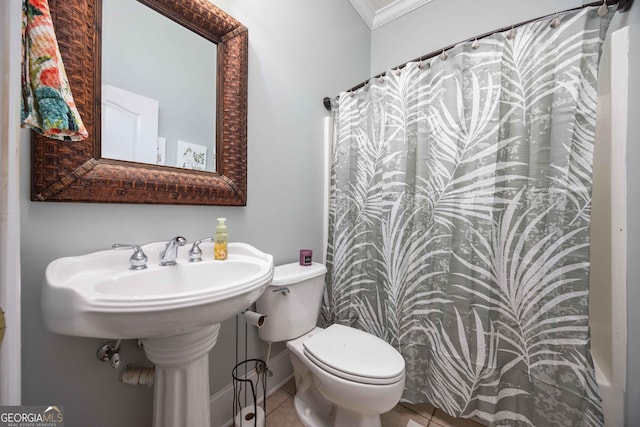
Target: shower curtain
point(459, 222)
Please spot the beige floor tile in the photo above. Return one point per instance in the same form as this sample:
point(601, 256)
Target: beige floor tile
point(290, 386)
point(440, 419)
point(284, 415)
point(400, 416)
point(276, 399)
point(281, 413)
point(424, 409)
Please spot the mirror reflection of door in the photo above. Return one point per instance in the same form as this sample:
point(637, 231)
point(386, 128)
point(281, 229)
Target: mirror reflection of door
point(149, 56)
point(129, 126)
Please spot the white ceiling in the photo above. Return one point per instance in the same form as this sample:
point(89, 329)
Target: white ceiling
point(378, 12)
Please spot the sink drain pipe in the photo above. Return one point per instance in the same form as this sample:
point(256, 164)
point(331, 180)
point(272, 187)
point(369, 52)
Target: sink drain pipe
point(138, 376)
point(110, 352)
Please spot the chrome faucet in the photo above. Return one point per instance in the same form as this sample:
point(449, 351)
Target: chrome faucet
point(170, 253)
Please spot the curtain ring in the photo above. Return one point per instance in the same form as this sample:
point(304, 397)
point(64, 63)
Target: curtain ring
point(604, 9)
point(511, 34)
point(398, 72)
point(352, 94)
point(381, 79)
point(555, 22)
point(475, 44)
point(444, 55)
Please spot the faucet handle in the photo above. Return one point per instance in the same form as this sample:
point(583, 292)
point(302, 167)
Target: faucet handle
point(138, 260)
point(195, 254)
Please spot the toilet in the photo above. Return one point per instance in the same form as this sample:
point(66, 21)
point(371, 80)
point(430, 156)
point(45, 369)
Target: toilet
point(344, 377)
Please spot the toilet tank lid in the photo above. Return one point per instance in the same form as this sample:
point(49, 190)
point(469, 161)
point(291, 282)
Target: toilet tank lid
point(289, 274)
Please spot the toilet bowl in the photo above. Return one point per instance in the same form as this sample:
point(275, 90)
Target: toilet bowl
point(344, 377)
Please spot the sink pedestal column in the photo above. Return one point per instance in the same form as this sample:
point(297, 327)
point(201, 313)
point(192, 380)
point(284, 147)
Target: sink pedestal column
point(181, 386)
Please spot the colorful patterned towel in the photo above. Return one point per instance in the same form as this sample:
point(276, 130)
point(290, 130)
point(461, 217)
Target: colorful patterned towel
point(47, 103)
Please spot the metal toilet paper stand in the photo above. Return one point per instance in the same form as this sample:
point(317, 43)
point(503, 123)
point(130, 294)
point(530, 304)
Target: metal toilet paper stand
point(249, 385)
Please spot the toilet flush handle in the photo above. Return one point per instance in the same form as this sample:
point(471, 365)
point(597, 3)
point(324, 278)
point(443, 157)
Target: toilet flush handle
point(283, 291)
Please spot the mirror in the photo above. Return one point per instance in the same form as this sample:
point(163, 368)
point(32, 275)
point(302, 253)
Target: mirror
point(76, 171)
point(158, 89)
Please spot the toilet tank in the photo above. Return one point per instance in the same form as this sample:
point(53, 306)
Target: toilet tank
point(292, 301)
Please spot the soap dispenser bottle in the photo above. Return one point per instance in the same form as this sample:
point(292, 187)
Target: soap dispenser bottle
point(220, 245)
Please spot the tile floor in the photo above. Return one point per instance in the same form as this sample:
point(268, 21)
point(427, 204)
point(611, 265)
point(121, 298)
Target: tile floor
point(281, 413)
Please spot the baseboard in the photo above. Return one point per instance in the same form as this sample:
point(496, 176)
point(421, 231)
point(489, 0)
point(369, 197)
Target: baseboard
point(221, 403)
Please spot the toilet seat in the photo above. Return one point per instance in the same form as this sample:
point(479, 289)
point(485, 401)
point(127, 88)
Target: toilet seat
point(355, 355)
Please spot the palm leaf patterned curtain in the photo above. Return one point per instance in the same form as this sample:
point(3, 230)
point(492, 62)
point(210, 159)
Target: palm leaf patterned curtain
point(459, 222)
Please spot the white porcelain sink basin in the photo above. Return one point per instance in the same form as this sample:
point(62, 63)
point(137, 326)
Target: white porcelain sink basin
point(96, 295)
point(176, 310)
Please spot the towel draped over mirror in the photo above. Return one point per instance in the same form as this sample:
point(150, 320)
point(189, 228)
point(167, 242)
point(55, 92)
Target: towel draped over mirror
point(47, 103)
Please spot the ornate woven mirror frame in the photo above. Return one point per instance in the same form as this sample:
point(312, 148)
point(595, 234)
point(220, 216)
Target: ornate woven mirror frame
point(75, 172)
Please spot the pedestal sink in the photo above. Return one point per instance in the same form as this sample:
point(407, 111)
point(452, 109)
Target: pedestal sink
point(175, 310)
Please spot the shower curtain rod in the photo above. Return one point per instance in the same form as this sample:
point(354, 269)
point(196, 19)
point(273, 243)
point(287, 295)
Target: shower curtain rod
point(623, 6)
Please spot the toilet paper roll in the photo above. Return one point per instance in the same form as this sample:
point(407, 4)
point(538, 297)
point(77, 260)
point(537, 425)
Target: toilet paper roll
point(247, 418)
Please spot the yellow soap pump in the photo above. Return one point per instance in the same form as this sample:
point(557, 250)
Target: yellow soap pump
point(220, 245)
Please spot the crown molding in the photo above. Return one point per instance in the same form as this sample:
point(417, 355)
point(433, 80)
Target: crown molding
point(365, 10)
point(375, 19)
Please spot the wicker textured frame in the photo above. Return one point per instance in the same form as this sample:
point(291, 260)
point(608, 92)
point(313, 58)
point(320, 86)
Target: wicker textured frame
point(74, 171)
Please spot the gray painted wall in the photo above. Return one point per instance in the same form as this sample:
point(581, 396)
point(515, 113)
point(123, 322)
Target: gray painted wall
point(292, 50)
point(293, 45)
point(439, 24)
